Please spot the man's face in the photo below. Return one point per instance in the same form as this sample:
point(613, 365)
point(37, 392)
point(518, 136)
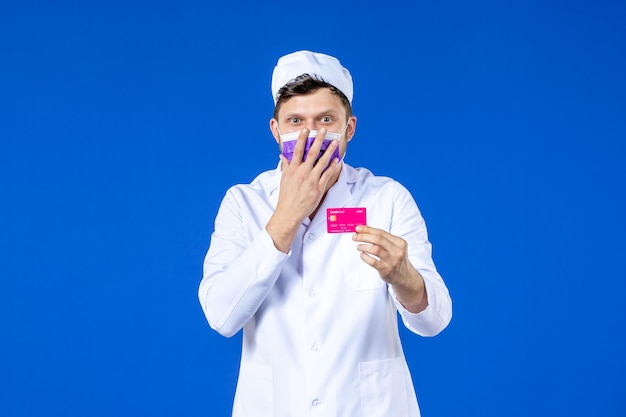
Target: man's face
point(320, 109)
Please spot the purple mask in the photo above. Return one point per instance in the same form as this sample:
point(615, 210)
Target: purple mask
point(289, 141)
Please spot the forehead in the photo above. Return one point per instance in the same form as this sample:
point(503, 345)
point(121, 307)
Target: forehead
point(320, 101)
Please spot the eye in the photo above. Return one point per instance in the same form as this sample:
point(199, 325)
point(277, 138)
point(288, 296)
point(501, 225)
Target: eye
point(294, 120)
point(326, 119)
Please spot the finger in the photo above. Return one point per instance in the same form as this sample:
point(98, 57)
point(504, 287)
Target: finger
point(314, 150)
point(298, 151)
point(328, 173)
point(379, 259)
point(365, 229)
point(375, 250)
point(284, 162)
point(325, 159)
point(370, 235)
point(373, 235)
point(371, 261)
point(380, 248)
point(375, 263)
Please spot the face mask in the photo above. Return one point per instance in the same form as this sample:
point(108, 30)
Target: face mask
point(289, 141)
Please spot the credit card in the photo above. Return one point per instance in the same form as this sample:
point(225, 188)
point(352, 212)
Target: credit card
point(345, 219)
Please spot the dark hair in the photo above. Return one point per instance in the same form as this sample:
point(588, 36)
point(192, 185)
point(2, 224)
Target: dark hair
point(307, 84)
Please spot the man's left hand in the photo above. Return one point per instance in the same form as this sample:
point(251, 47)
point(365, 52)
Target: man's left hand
point(388, 254)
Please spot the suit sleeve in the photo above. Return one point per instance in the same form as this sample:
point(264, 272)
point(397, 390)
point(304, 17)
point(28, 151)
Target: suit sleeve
point(409, 224)
point(239, 269)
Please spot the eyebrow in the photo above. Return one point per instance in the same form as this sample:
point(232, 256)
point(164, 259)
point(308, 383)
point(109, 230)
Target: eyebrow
point(323, 113)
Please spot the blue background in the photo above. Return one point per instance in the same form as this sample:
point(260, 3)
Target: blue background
point(122, 124)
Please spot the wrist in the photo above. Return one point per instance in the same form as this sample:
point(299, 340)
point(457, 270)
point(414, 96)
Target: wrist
point(282, 232)
point(412, 293)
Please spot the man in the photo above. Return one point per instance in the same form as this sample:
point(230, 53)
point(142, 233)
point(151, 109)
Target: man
point(318, 299)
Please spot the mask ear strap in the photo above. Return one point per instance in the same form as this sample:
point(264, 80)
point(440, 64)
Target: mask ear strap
point(344, 131)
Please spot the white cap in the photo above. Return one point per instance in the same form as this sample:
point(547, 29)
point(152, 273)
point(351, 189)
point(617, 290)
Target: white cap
point(324, 67)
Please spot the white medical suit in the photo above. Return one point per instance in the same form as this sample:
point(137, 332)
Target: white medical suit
point(320, 331)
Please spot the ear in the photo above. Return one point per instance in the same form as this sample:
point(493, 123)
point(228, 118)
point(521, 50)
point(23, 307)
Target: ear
point(274, 129)
point(351, 128)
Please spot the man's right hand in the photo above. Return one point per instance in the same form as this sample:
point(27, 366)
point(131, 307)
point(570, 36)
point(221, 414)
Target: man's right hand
point(302, 186)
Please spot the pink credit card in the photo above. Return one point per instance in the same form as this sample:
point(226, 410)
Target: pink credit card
point(344, 220)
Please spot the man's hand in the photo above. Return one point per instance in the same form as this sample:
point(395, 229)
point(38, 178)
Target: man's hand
point(388, 254)
point(302, 187)
point(303, 184)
